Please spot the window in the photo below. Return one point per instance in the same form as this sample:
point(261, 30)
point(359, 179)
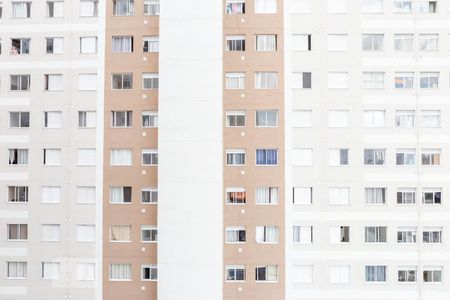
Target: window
point(266, 157)
point(120, 272)
point(120, 194)
point(17, 194)
point(301, 42)
point(429, 80)
point(16, 269)
point(123, 7)
point(88, 8)
point(266, 273)
point(302, 274)
point(235, 118)
point(337, 6)
point(87, 82)
point(266, 80)
point(86, 157)
point(373, 118)
point(432, 274)
point(235, 157)
point(431, 157)
point(149, 157)
point(235, 42)
point(150, 81)
point(337, 118)
point(55, 9)
point(122, 81)
point(301, 6)
point(374, 157)
point(87, 119)
point(266, 234)
point(85, 233)
point(235, 234)
point(266, 195)
point(266, 118)
point(338, 80)
point(235, 7)
point(339, 234)
point(302, 118)
point(150, 44)
point(18, 156)
point(20, 82)
point(405, 118)
point(120, 233)
point(405, 157)
point(432, 235)
point(266, 42)
point(50, 270)
point(339, 195)
point(53, 82)
point(52, 157)
point(1, 9)
point(149, 273)
point(339, 274)
point(235, 80)
point(149, 119)
point(17, 232)
point(338, 157)
point(375, 234)
point(122, 44)
point(265, 6)
point(407, 274)
point(402, 6)
point(51, 232)
point(122, 118)
point(372, 6)
point(88, 45)
point(431, 195)
point(21, 9)
point(373, 80)
point(19, 119)
point(151, 7)
point(428, 42)
point(303, 195)
point(302, 234)
point(149, 195)
point(372, 42)
point(301, 80)
point(85, 194)
point(403, 42)
point(235, 273)
point(428, 7)
point(54, 45)
point(52, 119)
point(431, 118)
point(404, 80)
point(302, 157)
point(85, 271)
point(406, 196)
point(149, 234)
point(236, 195)
point(375, 195)
point(51, 194)
point(406, 235)
point(337, 42)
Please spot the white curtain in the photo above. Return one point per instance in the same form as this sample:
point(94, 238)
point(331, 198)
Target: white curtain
point(259, 237)
point(122, 44)
point(88, 8)
point(121, 157)
point(272, 273)
point(334, 157)
point(266, 80)
point(266, 42)
point(116, 195)
point(58, 9)
point(373, 80)
point(371, 6)
point(58, 45)
point(151, 44)
point(87, 82)
point(52, 157)
point(271, 234)
point(20, 9)
point(51, 194)
point(17, 269)
point(120, 271)
point(263, 195)
point(265, 6)
point(50, 270)
point(374, 195)
point(86, 194)
point(235, 80)
point(85, 271)
point(53, 119)
point(431, 119)
point(55, 82)
point(405, 118)
point(51, 232)
point(87, 119)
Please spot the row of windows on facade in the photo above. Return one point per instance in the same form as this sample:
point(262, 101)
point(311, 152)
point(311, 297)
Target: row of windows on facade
point(337, 157)
point(337, 234)
point(127, 7)
point(123, 272)
point(371, 42)
point(49, 270)
point(88, 45)
point(335, 80)
point(52, 9)
point(338, 274)
point(86, 119)
point(53, 45)
point(52, 82)
point(50, 232)
point(338, 118)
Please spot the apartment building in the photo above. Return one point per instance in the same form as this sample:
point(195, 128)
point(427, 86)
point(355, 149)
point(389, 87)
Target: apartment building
point(293, 149)
point(48, 99)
